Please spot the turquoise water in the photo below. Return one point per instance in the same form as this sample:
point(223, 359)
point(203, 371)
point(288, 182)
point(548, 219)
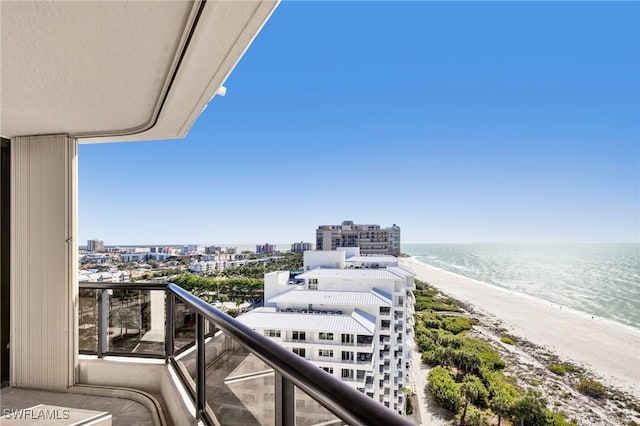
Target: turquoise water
point(598, 279)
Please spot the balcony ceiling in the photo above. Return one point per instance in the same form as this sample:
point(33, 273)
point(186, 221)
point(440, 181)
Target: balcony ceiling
point(118, 71)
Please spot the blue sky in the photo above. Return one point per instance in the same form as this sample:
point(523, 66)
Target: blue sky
point(461, 122)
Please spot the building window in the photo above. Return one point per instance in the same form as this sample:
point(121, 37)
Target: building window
point(347, 373)
point(300, 351)
point(328, 369)
point(325, 352)
point(347, 356)
point(313, 283)
point(298, 335)
point(325, 336)
point(347, 338)
point(272, 333)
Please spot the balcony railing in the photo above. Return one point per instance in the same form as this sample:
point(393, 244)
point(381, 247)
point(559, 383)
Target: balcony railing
point(230, 371)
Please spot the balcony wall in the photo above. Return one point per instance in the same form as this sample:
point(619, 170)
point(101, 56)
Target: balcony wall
point(43, 261)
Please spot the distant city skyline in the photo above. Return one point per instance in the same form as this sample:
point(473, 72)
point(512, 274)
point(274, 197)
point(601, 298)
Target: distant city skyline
point(460, 122)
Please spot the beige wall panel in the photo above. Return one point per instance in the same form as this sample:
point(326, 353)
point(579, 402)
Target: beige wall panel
point(43, 261)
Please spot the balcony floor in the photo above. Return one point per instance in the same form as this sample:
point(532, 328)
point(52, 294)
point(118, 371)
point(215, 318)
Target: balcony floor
point(123, 411)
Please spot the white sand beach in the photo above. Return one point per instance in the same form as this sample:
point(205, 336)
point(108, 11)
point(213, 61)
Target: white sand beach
point(609, 349)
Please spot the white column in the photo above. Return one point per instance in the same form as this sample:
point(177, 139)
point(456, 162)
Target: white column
point(44, 289)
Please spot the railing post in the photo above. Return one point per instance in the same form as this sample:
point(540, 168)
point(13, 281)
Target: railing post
point(200, 367)
point(285, 399)
point(170, 301)
point(103, 322)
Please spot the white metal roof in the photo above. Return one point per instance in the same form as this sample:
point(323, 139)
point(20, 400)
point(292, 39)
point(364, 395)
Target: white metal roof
point(356, 298)
point(382, 259)
point(371, 274)
point(307, 322)
point(403, 272)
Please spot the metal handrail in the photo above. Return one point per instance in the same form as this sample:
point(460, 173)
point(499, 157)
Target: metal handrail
point(347, 403)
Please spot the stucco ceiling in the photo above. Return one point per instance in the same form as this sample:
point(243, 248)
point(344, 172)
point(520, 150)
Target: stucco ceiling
point(114, 70)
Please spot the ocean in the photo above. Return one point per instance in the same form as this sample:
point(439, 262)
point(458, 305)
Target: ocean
point(597, 279)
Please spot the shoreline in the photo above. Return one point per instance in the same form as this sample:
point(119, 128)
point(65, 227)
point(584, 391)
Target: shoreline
point(535, 299)
point(605, 347)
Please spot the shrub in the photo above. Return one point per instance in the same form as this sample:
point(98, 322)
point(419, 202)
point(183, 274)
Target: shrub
point(476, 418)
point(444, 389)
point(591, 388)
point(456, 325)
point(558, 419)
point(562, 369)
point(558, 369)
point(507, 340)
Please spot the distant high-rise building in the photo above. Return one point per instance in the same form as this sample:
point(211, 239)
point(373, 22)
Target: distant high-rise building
point(265, 248)
point(301, 247)
point(394, 240)
point(95, 246)
point(372, 239)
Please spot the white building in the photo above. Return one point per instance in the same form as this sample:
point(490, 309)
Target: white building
point(301, 247)
point(371, 239)
point(95, 245)
point(351, 316)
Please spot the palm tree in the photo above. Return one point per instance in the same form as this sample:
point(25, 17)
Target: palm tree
point(476, 418)
point(501, 404)
point(469, 392)
point(409, 393)
point(530, 409)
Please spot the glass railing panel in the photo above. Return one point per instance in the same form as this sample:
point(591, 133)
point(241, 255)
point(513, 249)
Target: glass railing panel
point(310, 412)
point(184, 326)
point(88, 320)
point(239, 386)
point(136, 322)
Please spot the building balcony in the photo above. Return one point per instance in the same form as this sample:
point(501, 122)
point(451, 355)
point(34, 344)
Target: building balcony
point(227, 371)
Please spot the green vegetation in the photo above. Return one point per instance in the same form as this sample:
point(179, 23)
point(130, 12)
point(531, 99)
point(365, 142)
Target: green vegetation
point(429, 299)
point(467, 377)
point(507, 340)
point(476, 418)
point(240, 283)
point(444, 389)
point(285, 262)
point(242, 288)
point(591, 388)
point(409, 393)
point(559, 419)
point(563, 369)
point(530, 409)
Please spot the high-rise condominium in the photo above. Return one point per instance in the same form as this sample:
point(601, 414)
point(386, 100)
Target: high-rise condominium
point(372, 239)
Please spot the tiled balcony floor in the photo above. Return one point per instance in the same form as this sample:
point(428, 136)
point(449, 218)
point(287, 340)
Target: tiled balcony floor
point(123, 411)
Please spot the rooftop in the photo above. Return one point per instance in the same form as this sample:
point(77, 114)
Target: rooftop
point(374, 259)
point(358, 298)
point(403, 272)
point(371, 274)
point(262, 318)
